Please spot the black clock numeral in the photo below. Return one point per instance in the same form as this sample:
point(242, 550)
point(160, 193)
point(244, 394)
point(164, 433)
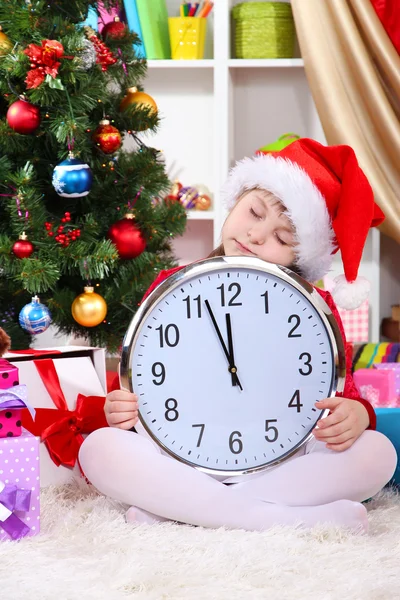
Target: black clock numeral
point(307, 363)
point(188, 302)
point(271, 428)
point(171, 414)
point(266, 303)
point(170, 335)
point(233, 286)
point(295, 401)
point(237, 449)
point(160, 373)
point(202, 426)
point(297, 319)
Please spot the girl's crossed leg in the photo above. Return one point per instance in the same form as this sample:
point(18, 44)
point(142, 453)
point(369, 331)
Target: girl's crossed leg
point(130, 468)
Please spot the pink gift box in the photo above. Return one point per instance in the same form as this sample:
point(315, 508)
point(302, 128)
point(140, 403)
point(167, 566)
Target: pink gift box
point(378, 387)
point(8, 374)
point(395, 367)
point(19, 471)
point(12, 401)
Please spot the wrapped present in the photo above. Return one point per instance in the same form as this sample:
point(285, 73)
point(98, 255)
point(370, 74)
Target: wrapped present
point(377, 386)
point(19, 487)
point(395, 367)
point(8, 374)
point(67, 389)
point(12, 401)
point(388, 423)
point(355, 322)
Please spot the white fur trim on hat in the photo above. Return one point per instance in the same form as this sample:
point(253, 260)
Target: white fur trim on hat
point(306, 207)
point(350, 294)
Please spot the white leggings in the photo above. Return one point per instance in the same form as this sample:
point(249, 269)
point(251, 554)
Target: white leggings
point(130, 468)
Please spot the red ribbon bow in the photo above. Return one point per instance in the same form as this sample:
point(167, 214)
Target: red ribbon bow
point(61, 430)
point(44, 61)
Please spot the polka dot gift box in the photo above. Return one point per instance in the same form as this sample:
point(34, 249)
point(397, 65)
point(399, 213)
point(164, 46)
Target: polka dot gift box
point(19, 487)
point(12, 401)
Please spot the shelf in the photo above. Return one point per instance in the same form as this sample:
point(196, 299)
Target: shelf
point(265, 62)
point(200, 215)
point(180, 64)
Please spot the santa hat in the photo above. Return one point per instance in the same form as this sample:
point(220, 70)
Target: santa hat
point(329, 201)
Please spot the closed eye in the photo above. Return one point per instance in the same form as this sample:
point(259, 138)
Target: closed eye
point(280, 241)
point(253, 212)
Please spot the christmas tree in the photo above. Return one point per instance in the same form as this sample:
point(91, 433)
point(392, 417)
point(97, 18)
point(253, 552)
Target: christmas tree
point(69, 97)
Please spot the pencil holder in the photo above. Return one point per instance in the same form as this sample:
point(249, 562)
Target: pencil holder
point(187, 36)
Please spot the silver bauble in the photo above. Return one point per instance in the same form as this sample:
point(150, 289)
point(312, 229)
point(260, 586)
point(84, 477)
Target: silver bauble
point(85, 58)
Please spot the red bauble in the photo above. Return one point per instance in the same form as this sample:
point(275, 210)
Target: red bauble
point(114, 30)
point(127, 237)
point(23, 248)
point(23, 117)
point(107, 137)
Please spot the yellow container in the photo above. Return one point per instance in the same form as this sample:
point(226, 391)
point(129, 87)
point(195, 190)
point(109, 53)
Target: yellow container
point(187, 36)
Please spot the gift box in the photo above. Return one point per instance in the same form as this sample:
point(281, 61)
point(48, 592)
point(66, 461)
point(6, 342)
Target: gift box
point(388, 423)
point(66, 386)
point(12, 401)
point(395, 367)
point(377, 386)
point(19, 487)
point(8, 374)
point(355, 322)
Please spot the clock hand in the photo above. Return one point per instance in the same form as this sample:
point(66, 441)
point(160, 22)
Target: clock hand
point(232, 368)
point(235, 379)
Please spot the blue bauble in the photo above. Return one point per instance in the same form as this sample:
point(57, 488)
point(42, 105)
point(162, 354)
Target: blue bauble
point(35, 317)
point(72, 178)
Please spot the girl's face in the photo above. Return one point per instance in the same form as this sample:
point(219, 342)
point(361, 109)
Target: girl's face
point(257, 227)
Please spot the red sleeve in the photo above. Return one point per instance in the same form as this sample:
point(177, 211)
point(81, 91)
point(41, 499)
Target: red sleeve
point(159, 279)
point(350, 390)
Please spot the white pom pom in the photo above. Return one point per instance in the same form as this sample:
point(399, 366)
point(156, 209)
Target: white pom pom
point(350, 295)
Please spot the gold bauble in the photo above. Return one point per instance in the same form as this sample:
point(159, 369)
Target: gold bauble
point(89, 309)
point(5, 43)
point(135, 97)
point(203, 202)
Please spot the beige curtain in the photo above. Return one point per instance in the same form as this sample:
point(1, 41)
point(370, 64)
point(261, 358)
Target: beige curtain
point(354, 74)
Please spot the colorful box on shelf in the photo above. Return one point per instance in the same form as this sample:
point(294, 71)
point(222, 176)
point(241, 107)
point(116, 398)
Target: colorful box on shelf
point(282, 142)
point(66, 386)
point(187, 37)
point(12, 401)
point(19, 487)
point(378, 387)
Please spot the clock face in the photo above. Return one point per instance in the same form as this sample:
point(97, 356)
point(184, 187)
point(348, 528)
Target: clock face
point(228, 358)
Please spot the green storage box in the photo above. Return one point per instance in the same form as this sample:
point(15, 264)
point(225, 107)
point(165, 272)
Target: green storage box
point(264, 30)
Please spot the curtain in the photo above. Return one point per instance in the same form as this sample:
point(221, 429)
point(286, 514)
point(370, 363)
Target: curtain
point(353, 71)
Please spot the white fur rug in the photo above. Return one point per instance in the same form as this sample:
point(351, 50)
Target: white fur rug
point(87, 552)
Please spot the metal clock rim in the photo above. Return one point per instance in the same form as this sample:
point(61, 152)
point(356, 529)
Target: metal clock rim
point(214, 264)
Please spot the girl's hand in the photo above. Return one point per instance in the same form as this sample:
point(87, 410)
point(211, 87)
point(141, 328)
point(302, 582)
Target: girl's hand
point(347, 421)
point(121, 409)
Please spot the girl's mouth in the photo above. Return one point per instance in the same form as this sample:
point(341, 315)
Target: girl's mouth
point(243, 248)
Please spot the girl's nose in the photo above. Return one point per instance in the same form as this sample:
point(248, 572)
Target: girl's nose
point(256, 235)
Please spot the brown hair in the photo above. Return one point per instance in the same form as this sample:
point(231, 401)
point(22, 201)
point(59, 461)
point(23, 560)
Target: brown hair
point(217, 252)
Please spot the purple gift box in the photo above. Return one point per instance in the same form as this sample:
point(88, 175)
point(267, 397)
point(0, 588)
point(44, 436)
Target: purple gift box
point(391, 367)
point(19, 487)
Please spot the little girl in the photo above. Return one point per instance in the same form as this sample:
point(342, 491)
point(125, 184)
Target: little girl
point(294, 208)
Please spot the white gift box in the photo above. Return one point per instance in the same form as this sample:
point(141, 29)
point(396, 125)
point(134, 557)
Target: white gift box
point(81, 370)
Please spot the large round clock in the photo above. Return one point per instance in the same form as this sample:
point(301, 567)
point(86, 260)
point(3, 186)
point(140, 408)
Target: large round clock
point(228, 357)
